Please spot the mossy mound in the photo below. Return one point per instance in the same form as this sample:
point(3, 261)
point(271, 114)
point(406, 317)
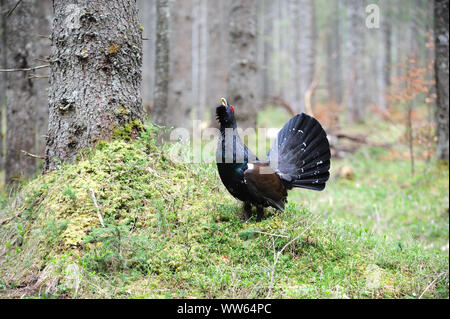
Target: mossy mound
point(171, 230)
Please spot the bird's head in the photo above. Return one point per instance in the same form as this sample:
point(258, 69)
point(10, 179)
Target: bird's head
point(225, 114)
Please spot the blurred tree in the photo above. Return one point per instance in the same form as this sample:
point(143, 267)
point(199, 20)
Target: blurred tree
point(355, 60)
point(147, 16)
point(305, 53)
point(334, 53)
point(242, 80)
point(2, 80)
point(19, 25)
point(42, 42)
point(441, 34)
point(94, 88)
point(385, 55)
point(160, 113)
point(217, 58)
point(180, 101)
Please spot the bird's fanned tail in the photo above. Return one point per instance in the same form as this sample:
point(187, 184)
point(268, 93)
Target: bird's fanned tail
point(301, 153)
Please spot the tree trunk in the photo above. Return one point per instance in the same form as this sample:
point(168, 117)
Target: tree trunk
point(21, 93)
point(304, 52)
point(160, 114)
point(43, 42)
point(334, 55)
point(147, 16)
point(268, 85)
point(243, 80)
point(95, 74)
point(384, 71)
point(441, 72)
point(199, 57)
point(180, 103)
point(217, 56)
point(2, 80)
point(355, 61)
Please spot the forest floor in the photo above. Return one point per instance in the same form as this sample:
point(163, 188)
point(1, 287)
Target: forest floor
point(172, 230)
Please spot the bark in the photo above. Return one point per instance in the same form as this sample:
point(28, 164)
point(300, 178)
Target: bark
point(95, 74)
point(147, 16)
point(21, 93)
point(441, 34)
point(160, 114)
point(243, 80)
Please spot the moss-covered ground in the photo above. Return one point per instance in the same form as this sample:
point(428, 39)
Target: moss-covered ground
point(172, 230)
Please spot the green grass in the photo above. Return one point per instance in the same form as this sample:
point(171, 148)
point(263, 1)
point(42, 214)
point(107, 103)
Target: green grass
point(172, 230)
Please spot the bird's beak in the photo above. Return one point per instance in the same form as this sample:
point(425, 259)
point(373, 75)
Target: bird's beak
point(224, 101)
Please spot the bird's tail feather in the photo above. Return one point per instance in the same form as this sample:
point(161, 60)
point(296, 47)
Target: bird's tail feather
point(303, 153)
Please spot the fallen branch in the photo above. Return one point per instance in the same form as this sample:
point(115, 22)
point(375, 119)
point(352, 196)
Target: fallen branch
point(431, 284)
point(309, 93)
point(96, 206)
point(268, 234)
point(279, 101)
point(32, 155)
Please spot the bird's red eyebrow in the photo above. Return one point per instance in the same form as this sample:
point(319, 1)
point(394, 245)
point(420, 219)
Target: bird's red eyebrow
point(232, 107)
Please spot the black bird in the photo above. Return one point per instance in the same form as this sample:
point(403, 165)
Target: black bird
point(299, 157)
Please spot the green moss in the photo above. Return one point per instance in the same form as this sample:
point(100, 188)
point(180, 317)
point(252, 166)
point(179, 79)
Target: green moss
point(130, 130)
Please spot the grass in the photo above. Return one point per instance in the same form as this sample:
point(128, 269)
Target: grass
point(173, 231)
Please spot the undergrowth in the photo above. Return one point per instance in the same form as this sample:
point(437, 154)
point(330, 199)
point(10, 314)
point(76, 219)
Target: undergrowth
point(171, 230)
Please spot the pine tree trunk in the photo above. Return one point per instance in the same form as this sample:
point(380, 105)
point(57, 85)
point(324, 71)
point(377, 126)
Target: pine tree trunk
point(21, 93)
point(355, 61)
point(334, 55)
point(160, 113)
point(200, 52)
point(243, 80)
point(95, 74)
point(43, 43)
point(147, 16)
point(217, 56)
point(180, 103)
point(2, 80)
point(268, 85)
point(442, 81)
point(305, 51)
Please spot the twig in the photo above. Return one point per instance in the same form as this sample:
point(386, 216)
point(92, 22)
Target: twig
point(96, 206)
point(26, 69)
point(310, 91)
point(32, 155)
point(14, 8)
point(272, 275)
point(269, 234)
point(279, 101)
point(428, 287)
point(34, 76)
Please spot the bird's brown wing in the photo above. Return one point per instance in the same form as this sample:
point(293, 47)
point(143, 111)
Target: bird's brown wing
point(265, 185)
